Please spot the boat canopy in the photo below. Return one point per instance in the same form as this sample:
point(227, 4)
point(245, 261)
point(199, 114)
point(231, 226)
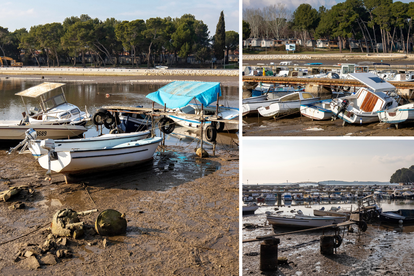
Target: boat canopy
point(179, 93)
point(373, 82)
point(38, 90)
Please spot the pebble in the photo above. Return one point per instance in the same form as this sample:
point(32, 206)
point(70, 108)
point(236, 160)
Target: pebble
point(31, 263)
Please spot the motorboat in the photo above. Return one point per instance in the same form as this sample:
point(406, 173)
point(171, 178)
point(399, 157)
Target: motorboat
point(400, 114)
point(364, 106)
point(302, 221)
point(92, 156)
point(334, 212)
point(287, 104)
point(320, 110)
point(249, 208)
point(393, 75)
point(287, 197)
point(176, 96)
point(53, 110)
point(406, 216)
point(15, 130)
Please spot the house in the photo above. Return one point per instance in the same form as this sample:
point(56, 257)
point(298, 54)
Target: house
point(267, 43)
point(322, 43)
point(255, 42)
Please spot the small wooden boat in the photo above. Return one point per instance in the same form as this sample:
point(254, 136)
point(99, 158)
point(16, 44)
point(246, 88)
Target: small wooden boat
point(301, 221)
point(287, 104)
point(404, 215)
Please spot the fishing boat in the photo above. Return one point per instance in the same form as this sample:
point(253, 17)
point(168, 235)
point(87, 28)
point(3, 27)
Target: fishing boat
point(287, 104)
point(364, 106)
point(15, 130)
point(249, 208)
point(176, 96)
point(400, 114)
point(320, 110)
point(404, 215)
point(302, 221)
point(53, 110)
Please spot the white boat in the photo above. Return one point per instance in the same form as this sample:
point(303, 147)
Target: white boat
point(106, 140)
point(15, 130)
point(89, 160)
point(287, 197)
point(176, 96)
point(270, 197)
point(320, 110)
point(364, 106)
point(287, 104)
point(249, 208)
point(334, 212)
point(393, 75)
point(400, 114)
point(301, 221)
point(54, 110)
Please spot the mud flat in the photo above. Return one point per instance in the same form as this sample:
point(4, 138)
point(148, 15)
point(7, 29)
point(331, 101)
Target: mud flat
point(181, 211)
point(378, 251)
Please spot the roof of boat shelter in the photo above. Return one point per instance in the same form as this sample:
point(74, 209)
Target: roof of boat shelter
point(373, 81)
point(179, 93)
point(36, 91)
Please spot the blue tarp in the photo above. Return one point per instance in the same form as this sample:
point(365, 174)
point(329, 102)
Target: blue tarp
point(179, 93)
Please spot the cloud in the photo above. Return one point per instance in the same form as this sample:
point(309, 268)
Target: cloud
point(407, 159)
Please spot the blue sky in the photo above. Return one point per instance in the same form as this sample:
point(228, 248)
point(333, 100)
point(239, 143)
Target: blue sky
point(295, 160)
point(26, 13)
point(292, 4)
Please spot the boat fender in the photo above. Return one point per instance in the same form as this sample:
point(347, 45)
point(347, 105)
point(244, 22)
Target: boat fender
point(108, 121)
point(337, 241)
point(99, 117)
point(363, 226)
point(166, 125)
point(211, 133)
point(218, 125)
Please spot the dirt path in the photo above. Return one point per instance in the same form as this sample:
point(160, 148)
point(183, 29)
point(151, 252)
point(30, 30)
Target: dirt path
point(181, 213)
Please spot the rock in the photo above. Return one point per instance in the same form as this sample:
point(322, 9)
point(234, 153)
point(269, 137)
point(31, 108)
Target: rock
point(60, 253)
point(77, 233)
point(48, 244)
point(105, 243)
point(30, 263)
point(282, 260)
point(17, 205)
point(201, 153)
point(50, 236)
point(28, 253)
point(49, 259)
point(62, 241)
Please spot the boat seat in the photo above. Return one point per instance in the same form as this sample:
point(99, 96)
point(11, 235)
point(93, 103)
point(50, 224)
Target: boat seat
point(369, 102)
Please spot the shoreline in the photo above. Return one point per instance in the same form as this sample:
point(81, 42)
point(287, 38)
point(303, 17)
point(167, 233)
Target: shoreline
point(339, 56)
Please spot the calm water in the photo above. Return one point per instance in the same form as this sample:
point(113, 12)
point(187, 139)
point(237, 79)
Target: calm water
point(95, 95)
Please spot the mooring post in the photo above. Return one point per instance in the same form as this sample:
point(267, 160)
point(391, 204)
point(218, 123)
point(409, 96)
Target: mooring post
point(279, 199)
point(268, 254)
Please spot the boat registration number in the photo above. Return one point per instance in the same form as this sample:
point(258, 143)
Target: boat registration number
point(41, 133)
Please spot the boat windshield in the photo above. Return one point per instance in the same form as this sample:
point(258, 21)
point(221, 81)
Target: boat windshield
point(54, 101)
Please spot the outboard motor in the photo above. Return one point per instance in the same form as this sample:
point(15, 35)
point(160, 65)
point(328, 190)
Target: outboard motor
point(342, 107)
point(30, 134)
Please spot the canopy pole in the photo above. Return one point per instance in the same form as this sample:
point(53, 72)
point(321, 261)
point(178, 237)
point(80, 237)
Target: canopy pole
point(163, 134)
point(217, 106)
point(152, 120)
point(201, 132)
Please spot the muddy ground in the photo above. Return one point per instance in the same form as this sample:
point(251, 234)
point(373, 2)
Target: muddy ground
point(381, 250)
point(296, 125)
point(181, 211)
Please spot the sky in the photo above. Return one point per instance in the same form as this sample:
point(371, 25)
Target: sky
point(26, 13)
point(293, 4)
point(296, 160)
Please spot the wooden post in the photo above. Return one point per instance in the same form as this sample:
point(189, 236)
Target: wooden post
point(201, 131)
point(152, 121)
point(163, 134)
point(217, 106)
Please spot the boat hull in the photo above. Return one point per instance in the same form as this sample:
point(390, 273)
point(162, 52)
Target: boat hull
point(317, 111)
point(303, 221)
point(401, 114)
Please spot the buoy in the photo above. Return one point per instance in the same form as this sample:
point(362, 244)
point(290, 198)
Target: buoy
point(107, 95)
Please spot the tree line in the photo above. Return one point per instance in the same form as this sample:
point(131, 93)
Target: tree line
point(369, 21)
point(403, 175)
point(105, 41)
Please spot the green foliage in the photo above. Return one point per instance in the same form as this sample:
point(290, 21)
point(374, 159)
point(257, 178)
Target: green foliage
point(246, 30)
point(403, 175)
point(305, 18)
point(220, 38)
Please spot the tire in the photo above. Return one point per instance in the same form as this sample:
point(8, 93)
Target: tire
point(211, 133)
point(166, 125)
point(337, 241)
point(363, 226)
point(108, 121)
point(98, 118)
point(218, 125)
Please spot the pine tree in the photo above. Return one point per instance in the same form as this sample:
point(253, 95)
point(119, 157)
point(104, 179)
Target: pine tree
point(220, 38)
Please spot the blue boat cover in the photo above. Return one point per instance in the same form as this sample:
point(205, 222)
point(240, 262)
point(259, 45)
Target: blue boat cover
point(179, 93)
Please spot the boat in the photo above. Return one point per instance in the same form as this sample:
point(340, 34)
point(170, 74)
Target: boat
point(400, 114)
point(270, 197)
point(404, 215)
point(92, 156)
point(105, 140)
point(287, 197)
point(54, 110)
point(302, 221)
point(249, 208)
point(320, 110)
point(15, 130)
point(287, 104)
point(393, 75)
point(176, 96)
point(334, 212)
point(364, 106)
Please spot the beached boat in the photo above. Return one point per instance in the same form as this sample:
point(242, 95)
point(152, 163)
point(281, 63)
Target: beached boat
point(54, 110)
point(249, 208)
point(302, 221)
point(400, 114)
point(320, 110)
point(176, 96)
point(334, 212)
point(393, 75)
point(15, 130)
point(364, 106)
point(287, 104)
point(404, 215)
